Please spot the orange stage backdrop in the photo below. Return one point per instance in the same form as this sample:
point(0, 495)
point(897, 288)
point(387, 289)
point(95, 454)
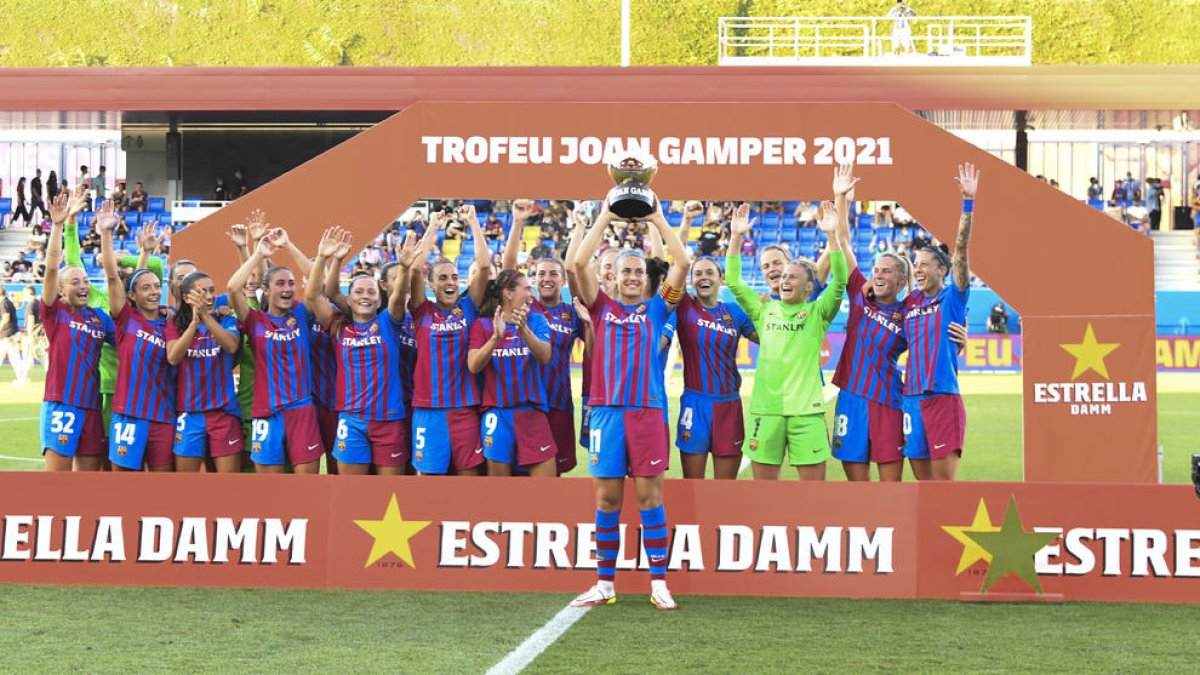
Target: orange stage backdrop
point(1100, 542)
point(1089, 366)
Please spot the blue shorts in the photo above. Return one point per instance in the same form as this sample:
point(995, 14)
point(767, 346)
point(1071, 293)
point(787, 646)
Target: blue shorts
point(445, 438)
point(69, 431)
point(214, 433)
point(710, 424)
point(358, 440)
point(627, 441)
point(290, 435)
point(134, 442)
point(915, 444)
point(851, 429)
point(517, 436)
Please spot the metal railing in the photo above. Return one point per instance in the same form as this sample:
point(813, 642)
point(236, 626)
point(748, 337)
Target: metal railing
point(877, 40)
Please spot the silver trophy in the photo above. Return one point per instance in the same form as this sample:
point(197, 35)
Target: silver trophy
point(632, 198)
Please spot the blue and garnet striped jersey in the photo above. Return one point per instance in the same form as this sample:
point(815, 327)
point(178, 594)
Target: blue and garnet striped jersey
point(441, 379)
point(324, 367)
point(874, 342)
point(73, 371)
point(627, 368)
point(709, 341)
point(513, 378)
point(565, 328)
point(368, 368)
point(204, 379)
point(282, 365)
point(408, 359)
point(145, 380)
point(932, 359)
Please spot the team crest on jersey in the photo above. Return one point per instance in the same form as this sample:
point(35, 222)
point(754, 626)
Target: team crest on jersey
point(341, 445)
point(837, 442)
point(686, 436)
point(420, 455)
point(291, 322)
point(374, 328)
point(122, 450)
point(94, 321)
point(727, 320)
point(641, 309)
point(487, 441)
point(896, 316)
point(594, 457)
point(178, 437)
point(565, 316)
point(63, 439)
point(257, 447)
point(456, 312)
point(802, 315)
point(753, 444)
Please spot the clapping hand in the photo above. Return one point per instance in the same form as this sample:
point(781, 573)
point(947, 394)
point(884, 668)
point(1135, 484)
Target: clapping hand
point(499, 328)
point(199, 305)
point(279, 237)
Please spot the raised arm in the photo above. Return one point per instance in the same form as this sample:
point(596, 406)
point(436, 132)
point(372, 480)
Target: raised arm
point(843, 185)
point(587, 283)
point(239, 235)
point(746, 298)
point(677, 275)
point(333, 275)
point(59, 214)
point(690, 211)
point(830, 300)
point(657, 250)
point(968, 181)
point(578, 230)
point(412, 253)
point(282, 241)
point(483, 256)
point(237, 283)
point(147, 242)
point(522, 209)
point(106, 220)
point(313, 299)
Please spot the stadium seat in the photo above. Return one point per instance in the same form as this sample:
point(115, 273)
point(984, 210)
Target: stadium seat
point(452, 248)
point(674, 219)
point(770, 221)
point(865, 220)
point(131, 218)
point(790, 207)
point(1097, 204)
point(789, 221)
point(156, 204)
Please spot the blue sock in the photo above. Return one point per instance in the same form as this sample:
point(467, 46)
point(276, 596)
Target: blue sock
point(654, 538)
point(608, 543)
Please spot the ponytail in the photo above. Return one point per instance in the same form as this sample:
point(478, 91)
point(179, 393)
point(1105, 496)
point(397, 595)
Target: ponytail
point(493, 296)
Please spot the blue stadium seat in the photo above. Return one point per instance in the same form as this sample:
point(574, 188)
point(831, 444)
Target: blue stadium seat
point(789, 221)
point(790, 207)
point(863, 235)
point(865, 220)
point(84, 220)
point(770, 221)
point(1097, 204)
point(131, 218)
point(674, 219)
point(156, 204)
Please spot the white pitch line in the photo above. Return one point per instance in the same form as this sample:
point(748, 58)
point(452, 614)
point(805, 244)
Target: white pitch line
point(540, 641)
point(20, 419)
point(21, 459)
point(833, 392)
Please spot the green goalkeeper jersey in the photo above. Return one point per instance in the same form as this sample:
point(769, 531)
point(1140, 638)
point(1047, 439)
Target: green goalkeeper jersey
point(787, 380)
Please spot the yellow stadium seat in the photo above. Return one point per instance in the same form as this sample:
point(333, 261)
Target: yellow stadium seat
point(451, 248)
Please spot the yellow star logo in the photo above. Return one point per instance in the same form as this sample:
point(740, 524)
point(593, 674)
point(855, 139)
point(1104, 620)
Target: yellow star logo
point(1089, 354)
point(972, 552)
point(1012, 549)
point(391, 534)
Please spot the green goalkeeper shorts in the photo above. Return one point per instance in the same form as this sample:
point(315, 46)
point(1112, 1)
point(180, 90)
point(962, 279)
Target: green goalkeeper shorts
point(801, 439)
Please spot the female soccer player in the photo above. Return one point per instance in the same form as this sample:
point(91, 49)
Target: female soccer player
point(71, 427)
point(935, 420)
point(628, 435)
point(549, 276)
point(285, 420)
point(511, 349)
point(203, 349)
point(445, 426)
point(366, 348)
point(710, 412)
point(143, 421)
point(868, 421)
point(787, 404)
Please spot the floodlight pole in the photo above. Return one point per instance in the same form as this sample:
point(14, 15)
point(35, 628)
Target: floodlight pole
point(624, 33)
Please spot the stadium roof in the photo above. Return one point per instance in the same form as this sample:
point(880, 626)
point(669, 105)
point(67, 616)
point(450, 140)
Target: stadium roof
point(1061, 88)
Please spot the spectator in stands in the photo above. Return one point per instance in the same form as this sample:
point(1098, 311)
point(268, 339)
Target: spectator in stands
point(240, 186)
point(22, 273)
point(370, 257)
point(493, 228)
point(22, 210)
point(901, 16)
point(883, 217)
point(710, 238)
point(37, 240)
point(997, 322)
point(1138, 218)
point(455, 227)
point(121, 231)
point(1154, 201)
point(120, 198)
point(748, 245)
point(1132, 188)
point(417, 224)
point(52, 186)
point(99, 185)
point(84, 179)
point(164, 242)
point(139, 200)
point(36, 202)
point(9, 344)
point(220, 192)
point(1094, 191)
point(90, 242)
point(1054, 183)
point(6, 271)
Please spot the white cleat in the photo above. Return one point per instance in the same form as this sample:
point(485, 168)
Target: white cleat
point(595, 596)
point(661, 598)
